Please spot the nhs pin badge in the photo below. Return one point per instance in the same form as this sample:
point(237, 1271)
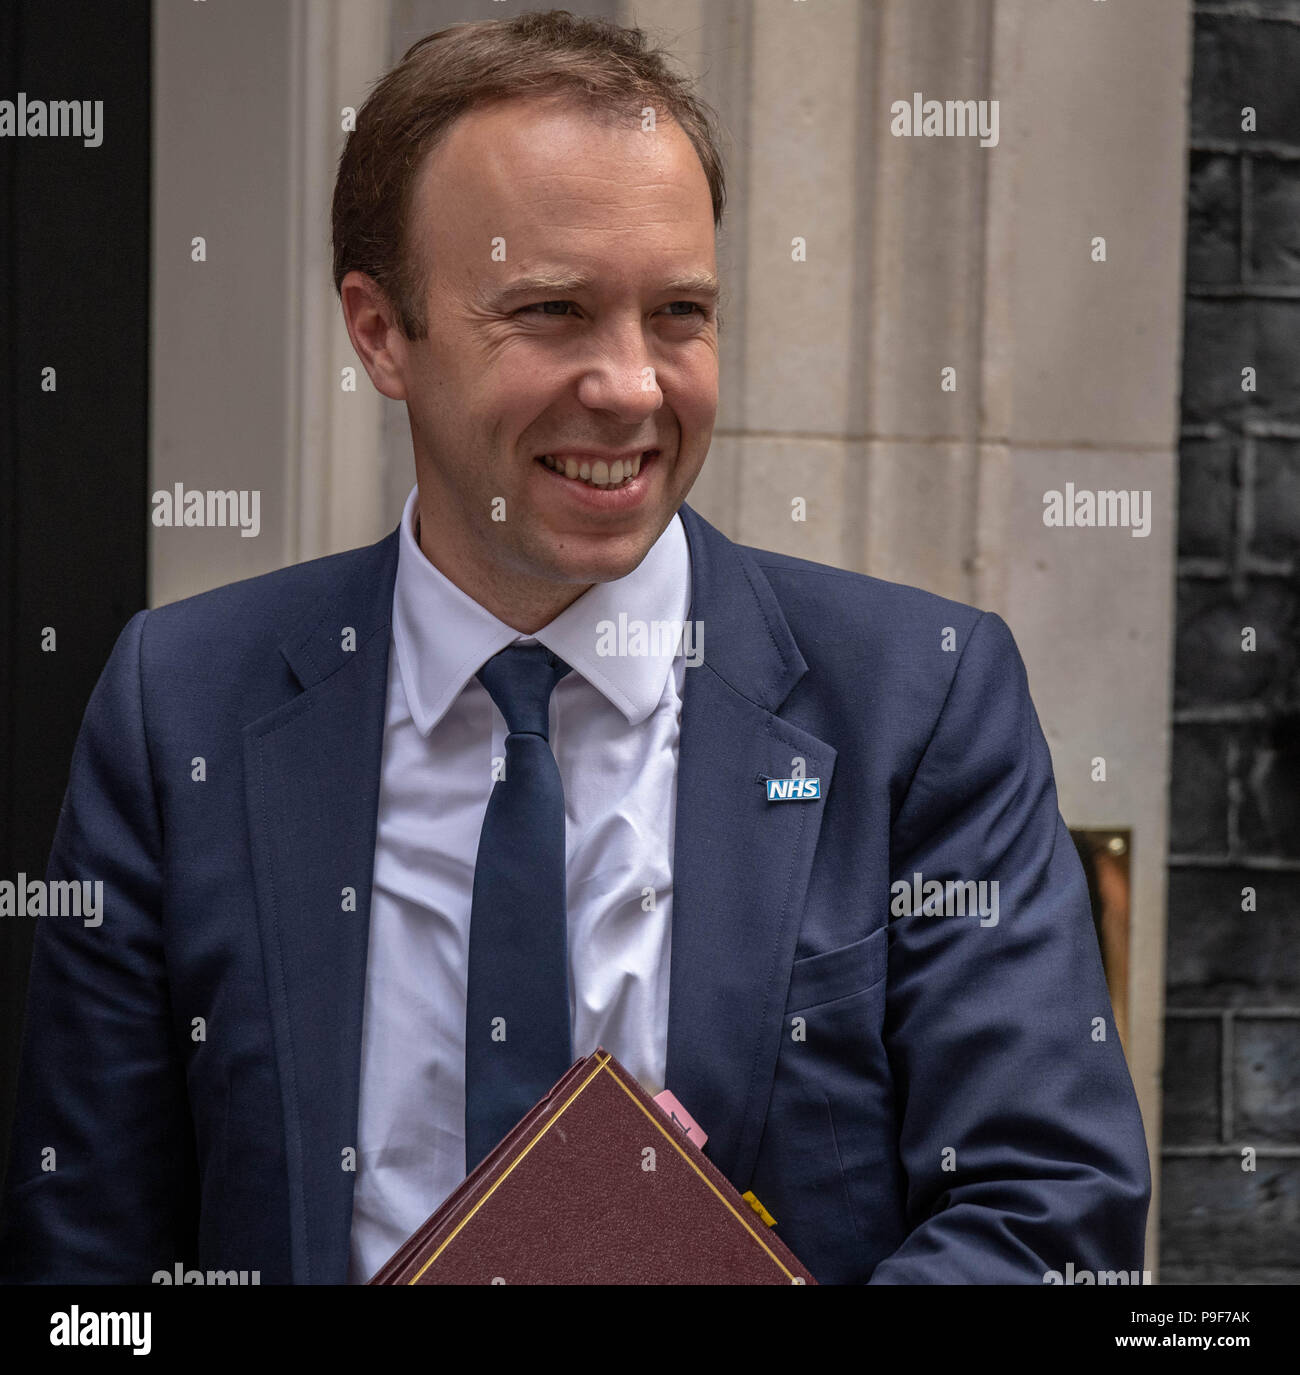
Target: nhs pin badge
point(793, 789)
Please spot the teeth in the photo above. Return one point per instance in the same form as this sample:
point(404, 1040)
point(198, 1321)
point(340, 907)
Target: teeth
point(599, 473)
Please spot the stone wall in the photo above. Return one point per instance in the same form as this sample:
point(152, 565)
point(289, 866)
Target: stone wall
point(1232, 1034)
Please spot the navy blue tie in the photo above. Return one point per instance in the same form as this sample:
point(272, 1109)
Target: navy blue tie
point(518, 1041)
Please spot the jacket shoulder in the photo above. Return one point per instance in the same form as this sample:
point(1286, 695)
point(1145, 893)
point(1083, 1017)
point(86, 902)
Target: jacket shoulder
point(268, 606)
point(818, 598)
point(225, 645)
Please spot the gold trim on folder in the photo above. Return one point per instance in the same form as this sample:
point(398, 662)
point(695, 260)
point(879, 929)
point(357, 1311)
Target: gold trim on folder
point(559, 1112)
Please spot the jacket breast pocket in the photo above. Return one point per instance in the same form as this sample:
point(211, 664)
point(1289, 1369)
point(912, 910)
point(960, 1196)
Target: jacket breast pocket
point(839, 973)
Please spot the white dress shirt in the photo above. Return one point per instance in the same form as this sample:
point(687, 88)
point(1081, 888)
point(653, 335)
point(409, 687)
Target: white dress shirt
point(615, 726)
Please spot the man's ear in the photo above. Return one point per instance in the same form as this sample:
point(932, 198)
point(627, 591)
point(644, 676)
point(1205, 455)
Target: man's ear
point(375, 333)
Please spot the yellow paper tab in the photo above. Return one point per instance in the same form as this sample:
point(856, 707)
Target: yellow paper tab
point(759, 1209)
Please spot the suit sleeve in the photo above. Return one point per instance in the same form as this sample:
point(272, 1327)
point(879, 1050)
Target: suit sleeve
point(100, 1180)
point(1020, 1133)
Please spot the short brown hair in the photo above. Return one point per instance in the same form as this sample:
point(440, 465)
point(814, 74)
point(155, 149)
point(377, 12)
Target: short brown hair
point(613, 70)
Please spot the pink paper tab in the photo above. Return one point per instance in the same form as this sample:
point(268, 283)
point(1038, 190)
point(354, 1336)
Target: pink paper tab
point(682, 1119)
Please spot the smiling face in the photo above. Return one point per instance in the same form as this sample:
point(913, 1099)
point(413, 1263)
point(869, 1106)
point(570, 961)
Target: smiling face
point(577, 379)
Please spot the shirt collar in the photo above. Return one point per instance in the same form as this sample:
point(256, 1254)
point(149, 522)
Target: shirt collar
point(443, 636)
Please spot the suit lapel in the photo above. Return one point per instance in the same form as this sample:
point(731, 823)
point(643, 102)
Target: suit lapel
point(312, 770)
point(741, 864)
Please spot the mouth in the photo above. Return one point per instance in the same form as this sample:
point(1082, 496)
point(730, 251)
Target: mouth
point(598, 474)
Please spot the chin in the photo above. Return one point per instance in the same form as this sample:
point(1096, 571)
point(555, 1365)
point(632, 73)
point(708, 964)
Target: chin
point(604, 560)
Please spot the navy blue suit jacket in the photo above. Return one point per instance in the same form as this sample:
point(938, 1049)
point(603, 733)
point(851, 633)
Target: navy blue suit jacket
point(915, 1098)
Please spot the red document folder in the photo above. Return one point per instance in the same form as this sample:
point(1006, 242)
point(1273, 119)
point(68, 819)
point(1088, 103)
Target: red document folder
point(596, 1185)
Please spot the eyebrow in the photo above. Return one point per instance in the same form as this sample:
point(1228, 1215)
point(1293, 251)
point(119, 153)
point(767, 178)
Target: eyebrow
point(555, 285)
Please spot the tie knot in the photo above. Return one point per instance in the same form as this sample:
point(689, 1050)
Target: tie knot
point(520, 680)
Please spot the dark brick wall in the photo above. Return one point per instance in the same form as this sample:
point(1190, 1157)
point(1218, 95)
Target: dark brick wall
point(1232, 1031)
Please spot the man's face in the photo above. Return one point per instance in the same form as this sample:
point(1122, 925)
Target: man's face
point(609, 367)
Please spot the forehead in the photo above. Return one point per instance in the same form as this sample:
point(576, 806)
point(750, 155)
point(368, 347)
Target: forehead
point(547, 172)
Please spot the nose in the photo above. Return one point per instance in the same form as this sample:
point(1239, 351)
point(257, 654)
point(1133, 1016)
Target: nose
point(622, 378)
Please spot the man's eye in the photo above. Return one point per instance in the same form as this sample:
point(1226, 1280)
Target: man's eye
point(542, 306)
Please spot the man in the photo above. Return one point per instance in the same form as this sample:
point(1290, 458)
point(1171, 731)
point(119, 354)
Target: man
point(388, 838)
